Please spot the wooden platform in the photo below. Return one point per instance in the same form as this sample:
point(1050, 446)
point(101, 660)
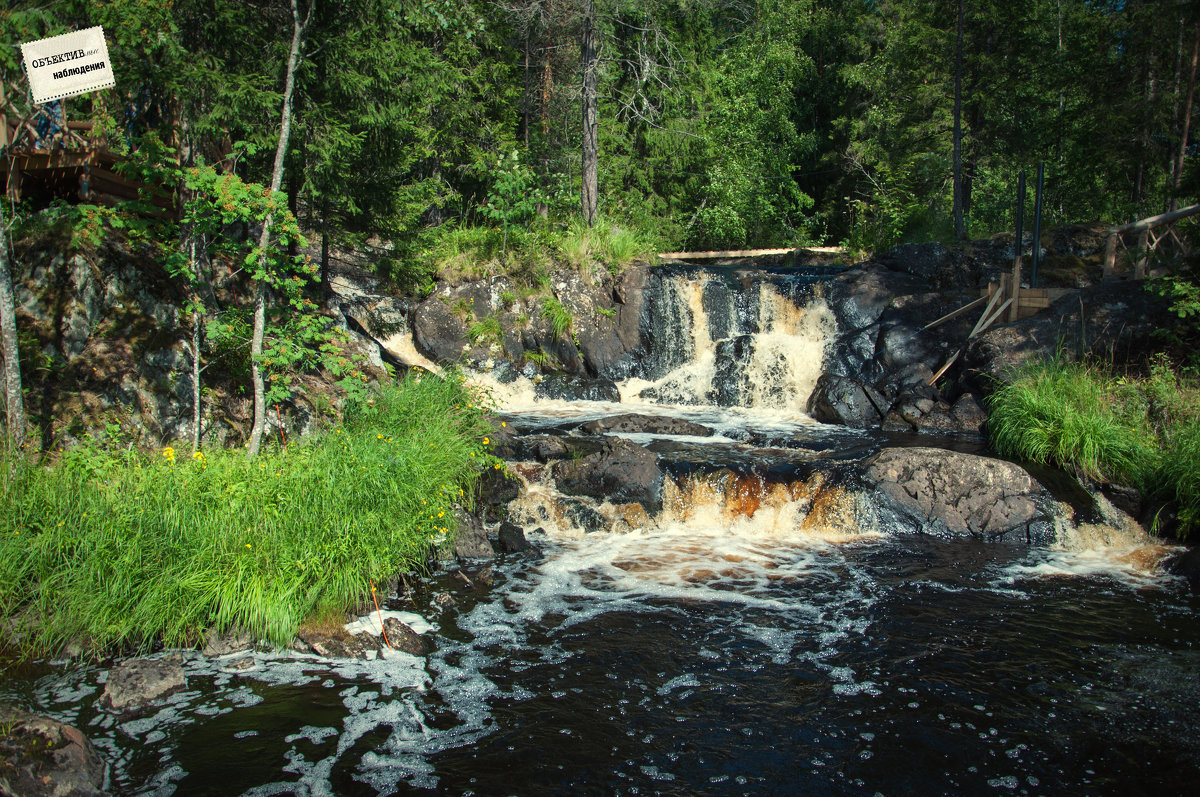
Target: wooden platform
point(84, 171)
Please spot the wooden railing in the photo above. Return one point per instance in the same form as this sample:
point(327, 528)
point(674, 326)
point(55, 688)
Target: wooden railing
point(1148, 240)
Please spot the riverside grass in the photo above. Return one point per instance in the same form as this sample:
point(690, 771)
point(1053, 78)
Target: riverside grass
point(1140, 432)
point(124, 549)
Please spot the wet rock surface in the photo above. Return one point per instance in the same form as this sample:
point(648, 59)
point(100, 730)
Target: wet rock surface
point(646, 424)
point(134, 684)
point(334, 643)
point(401, 637)
point(934, 491)
point(511, 538)
point(620, 471)
point(40, 757)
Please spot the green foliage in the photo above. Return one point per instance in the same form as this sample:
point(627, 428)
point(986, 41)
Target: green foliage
point(557, 314)
point(1145, 433)
point(1182, 289)
point(486, 331)
point(116, 548)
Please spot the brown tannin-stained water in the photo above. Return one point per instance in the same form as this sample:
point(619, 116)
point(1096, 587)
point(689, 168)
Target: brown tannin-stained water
point(764, 633)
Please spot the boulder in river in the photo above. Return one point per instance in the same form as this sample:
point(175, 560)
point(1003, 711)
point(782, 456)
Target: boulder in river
point(645, 424)
point(470, 541)
point(40, 757)
point(947, 493)
point(621, 471)
point(135, 683)
point(512, 538)
point(401, 637)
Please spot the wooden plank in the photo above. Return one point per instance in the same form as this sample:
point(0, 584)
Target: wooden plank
point(955, 313)
point(996, 294)
point(944, 368)
point(730, 253)
point(999, 311)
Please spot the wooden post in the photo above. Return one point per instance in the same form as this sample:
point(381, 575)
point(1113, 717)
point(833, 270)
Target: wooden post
point(1015, 278)
point(1139, 271)
point(1110, 254)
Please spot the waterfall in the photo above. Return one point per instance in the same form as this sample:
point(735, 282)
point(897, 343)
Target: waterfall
point(760, 345)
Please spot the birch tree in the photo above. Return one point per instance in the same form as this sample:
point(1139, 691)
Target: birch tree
point(299, 27)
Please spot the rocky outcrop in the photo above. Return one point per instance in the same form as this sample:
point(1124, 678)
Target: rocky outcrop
point(134, 684)
point(490, 325)
point(40, 757)
point(946, 493)
point(621, 471)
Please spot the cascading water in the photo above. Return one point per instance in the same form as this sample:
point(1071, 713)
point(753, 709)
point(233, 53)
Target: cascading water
point(761, 347)
point(763, 632)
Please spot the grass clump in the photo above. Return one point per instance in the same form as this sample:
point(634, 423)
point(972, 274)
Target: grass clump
point(125, 549)
point(604, 243)
point(1141, 432)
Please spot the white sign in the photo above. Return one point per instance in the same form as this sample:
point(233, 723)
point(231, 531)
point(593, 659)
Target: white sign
point(66, 65)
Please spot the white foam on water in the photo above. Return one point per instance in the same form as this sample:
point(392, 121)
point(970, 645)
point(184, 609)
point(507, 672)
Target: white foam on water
point(372, 623)
point(1123, 553)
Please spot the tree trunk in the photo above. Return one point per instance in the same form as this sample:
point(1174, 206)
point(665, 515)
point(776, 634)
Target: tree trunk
point(590, 190)
point(960, 229)
point(1187, 116)
point(260, 292)
point(196, 408)
point(14, 404)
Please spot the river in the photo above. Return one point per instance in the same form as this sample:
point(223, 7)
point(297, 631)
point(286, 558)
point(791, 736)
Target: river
point(756, 636)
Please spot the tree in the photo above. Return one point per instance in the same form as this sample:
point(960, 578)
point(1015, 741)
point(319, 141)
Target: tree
point(960, 229)
point(299, 26)
point(13, 402)
point(590, 155)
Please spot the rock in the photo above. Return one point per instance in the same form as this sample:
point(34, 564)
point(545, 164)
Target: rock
point(512, 538)
point(496, 488)
point(335, 642)
point(621, 471)
point(233, 641)
point(645, 424)
point(846, 401)
point(45, 758)
point(1187, 565)
point(629, 517)
point(438, 333)
point(470, 541)
point(403, 638)
point(443, 601)
point(577, 388)
point(135, 683)
point(967, 415)
point(947, 493)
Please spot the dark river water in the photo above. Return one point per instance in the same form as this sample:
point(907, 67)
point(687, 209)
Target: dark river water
point(885, 665)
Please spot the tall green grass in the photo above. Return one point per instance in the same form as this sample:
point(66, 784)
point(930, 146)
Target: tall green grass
point(1141, 432)
point(120, 549)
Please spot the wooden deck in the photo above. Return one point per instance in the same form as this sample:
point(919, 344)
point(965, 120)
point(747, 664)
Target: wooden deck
point(78, 167)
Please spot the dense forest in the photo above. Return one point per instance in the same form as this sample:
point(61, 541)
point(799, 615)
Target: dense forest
point(709, 123)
